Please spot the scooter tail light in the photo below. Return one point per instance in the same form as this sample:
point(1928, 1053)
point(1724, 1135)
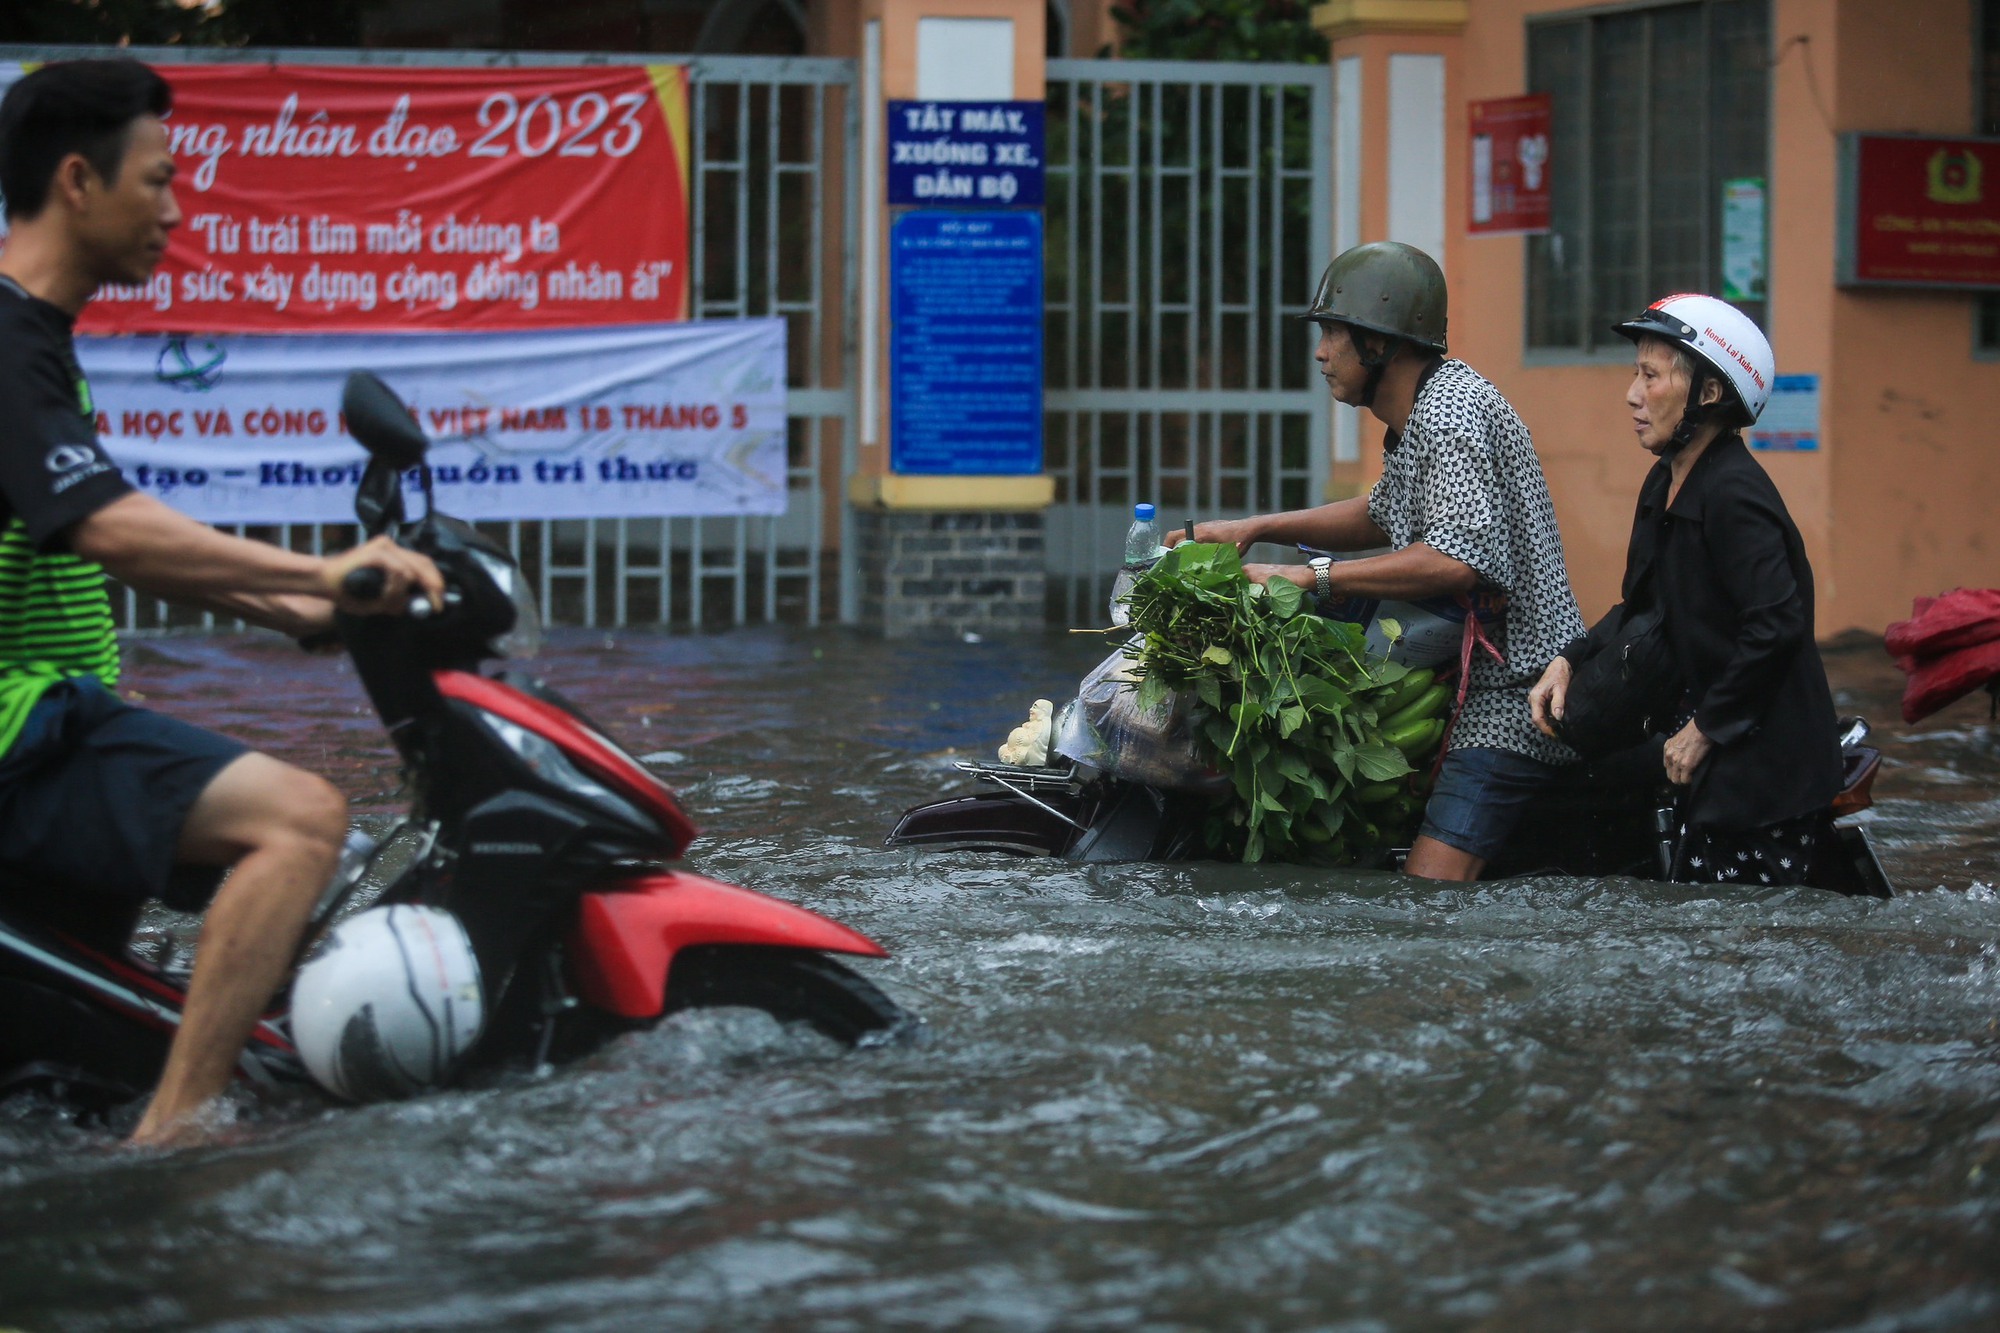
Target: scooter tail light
point(593, 752)
point(625, 939)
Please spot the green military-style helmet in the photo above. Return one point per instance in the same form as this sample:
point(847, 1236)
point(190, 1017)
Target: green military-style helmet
point(1386, 287)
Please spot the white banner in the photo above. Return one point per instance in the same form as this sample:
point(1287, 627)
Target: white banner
point(648, 421)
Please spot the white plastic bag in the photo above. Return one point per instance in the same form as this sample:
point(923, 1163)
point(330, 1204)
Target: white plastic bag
point(1106, 729)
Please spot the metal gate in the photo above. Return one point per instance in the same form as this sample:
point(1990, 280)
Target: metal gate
point(1188, 210)
point(774, 216)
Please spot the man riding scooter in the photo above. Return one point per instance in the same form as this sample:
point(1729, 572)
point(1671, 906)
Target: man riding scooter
point(1464, 508)
point(99, 800)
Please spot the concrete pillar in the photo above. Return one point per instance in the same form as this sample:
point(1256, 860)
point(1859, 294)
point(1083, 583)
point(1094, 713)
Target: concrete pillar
point(935, 553)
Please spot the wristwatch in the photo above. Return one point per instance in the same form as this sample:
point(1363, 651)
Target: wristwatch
point(1322, 580)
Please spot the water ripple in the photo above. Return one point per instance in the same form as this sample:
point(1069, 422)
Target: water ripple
point(1159, 1097)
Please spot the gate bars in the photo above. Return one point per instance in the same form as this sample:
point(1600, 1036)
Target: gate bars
point(1188, 210)
point(1189, 206)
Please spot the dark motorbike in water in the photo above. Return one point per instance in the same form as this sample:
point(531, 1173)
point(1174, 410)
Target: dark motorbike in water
point(1613, 817)
point(555, 849)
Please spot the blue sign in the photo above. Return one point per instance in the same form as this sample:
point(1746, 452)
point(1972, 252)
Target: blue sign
point(965, 154)
point(1790, 420)
point(965, 343)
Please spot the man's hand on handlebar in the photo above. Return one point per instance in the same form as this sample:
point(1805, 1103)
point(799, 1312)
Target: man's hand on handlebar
point(1239, 532)
point(381, 577)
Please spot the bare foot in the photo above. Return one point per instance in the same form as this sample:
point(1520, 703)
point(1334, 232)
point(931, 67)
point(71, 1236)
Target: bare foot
point(190, 1129)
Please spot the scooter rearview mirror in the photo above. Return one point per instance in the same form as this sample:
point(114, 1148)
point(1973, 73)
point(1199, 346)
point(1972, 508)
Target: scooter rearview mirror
point(378, 501)
point(377, 418)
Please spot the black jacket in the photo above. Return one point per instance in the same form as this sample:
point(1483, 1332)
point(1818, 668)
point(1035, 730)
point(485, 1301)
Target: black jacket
point(1727, 565)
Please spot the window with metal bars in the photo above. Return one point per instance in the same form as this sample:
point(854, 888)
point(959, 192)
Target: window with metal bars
point(1657, 114)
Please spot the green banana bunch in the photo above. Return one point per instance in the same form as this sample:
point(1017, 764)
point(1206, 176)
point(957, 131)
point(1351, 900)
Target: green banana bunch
point(1416, 737)
point(1425, 705)
point(1404, 691)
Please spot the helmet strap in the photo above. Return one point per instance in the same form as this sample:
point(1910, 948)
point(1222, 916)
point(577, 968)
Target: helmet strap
point(1374, 363)
point(1693, 417)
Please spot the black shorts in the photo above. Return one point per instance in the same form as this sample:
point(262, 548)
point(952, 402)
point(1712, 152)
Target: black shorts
point(93, 794)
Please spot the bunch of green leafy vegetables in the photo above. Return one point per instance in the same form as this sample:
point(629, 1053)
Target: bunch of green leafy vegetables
point(1290, 705)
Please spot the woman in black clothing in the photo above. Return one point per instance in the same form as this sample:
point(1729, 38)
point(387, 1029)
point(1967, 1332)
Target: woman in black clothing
point(1714, 547)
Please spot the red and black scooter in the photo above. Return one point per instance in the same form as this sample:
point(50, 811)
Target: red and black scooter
point(554, 848)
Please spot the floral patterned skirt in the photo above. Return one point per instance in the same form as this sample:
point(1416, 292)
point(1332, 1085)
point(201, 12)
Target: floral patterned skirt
point(1779, 853)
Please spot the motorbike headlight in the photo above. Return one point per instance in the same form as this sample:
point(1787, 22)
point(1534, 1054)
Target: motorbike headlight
point(552, 765)
point(525, 639)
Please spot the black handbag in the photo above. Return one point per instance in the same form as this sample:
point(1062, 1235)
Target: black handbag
point(1626, 691)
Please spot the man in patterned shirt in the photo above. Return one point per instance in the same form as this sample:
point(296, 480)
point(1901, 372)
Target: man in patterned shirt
point(103, 805)
point(1464, 510)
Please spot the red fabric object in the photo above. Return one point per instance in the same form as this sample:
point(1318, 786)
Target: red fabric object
point(1959, 619)
point(1949, 647)
point(1939, 680)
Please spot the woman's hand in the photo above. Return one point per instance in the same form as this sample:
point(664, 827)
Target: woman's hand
point(1242, 533)
point(1685, 753)
point(1550, 695)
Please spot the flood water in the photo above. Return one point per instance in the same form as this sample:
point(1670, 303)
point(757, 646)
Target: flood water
point(1162, 1097)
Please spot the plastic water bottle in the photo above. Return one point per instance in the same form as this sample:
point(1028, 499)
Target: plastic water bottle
point(1142, 548)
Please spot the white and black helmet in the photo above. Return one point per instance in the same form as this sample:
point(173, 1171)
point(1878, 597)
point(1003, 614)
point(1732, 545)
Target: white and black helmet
point(387, 1003)
point(1722, 337)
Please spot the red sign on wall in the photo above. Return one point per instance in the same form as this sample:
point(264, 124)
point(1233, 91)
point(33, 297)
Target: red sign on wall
point(1919, 212)
point(365, 199)
point(1510, 166)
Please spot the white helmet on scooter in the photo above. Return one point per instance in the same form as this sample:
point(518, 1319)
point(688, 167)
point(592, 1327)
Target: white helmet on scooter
point(1720, 335)
point(387, 1003)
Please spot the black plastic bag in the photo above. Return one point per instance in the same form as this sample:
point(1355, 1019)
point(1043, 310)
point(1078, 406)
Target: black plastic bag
point(1625, 692)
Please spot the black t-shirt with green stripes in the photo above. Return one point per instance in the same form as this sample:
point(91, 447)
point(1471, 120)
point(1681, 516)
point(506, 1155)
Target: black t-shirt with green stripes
point(55, 617)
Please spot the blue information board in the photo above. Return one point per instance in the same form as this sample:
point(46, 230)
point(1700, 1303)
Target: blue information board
point(965, 344)
point(965, 154)
point(1790, 420)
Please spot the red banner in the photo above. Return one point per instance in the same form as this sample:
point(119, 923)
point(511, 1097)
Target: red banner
point(1509, 160)
point(369, 199)
point(1924, 212)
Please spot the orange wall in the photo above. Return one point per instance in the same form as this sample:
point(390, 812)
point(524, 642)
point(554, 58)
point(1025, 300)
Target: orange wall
point(1895, 503)
point(1915, 467)
point(1091, 28)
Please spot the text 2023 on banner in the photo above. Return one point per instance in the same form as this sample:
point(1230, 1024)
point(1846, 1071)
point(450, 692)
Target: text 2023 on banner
point(370, 199)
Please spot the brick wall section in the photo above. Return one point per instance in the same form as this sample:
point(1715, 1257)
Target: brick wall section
point(928, 571)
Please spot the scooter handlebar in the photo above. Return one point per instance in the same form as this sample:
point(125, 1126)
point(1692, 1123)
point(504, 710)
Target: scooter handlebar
point(364, 584)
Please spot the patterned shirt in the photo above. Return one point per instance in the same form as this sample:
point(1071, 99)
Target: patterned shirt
point(1464, 480)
